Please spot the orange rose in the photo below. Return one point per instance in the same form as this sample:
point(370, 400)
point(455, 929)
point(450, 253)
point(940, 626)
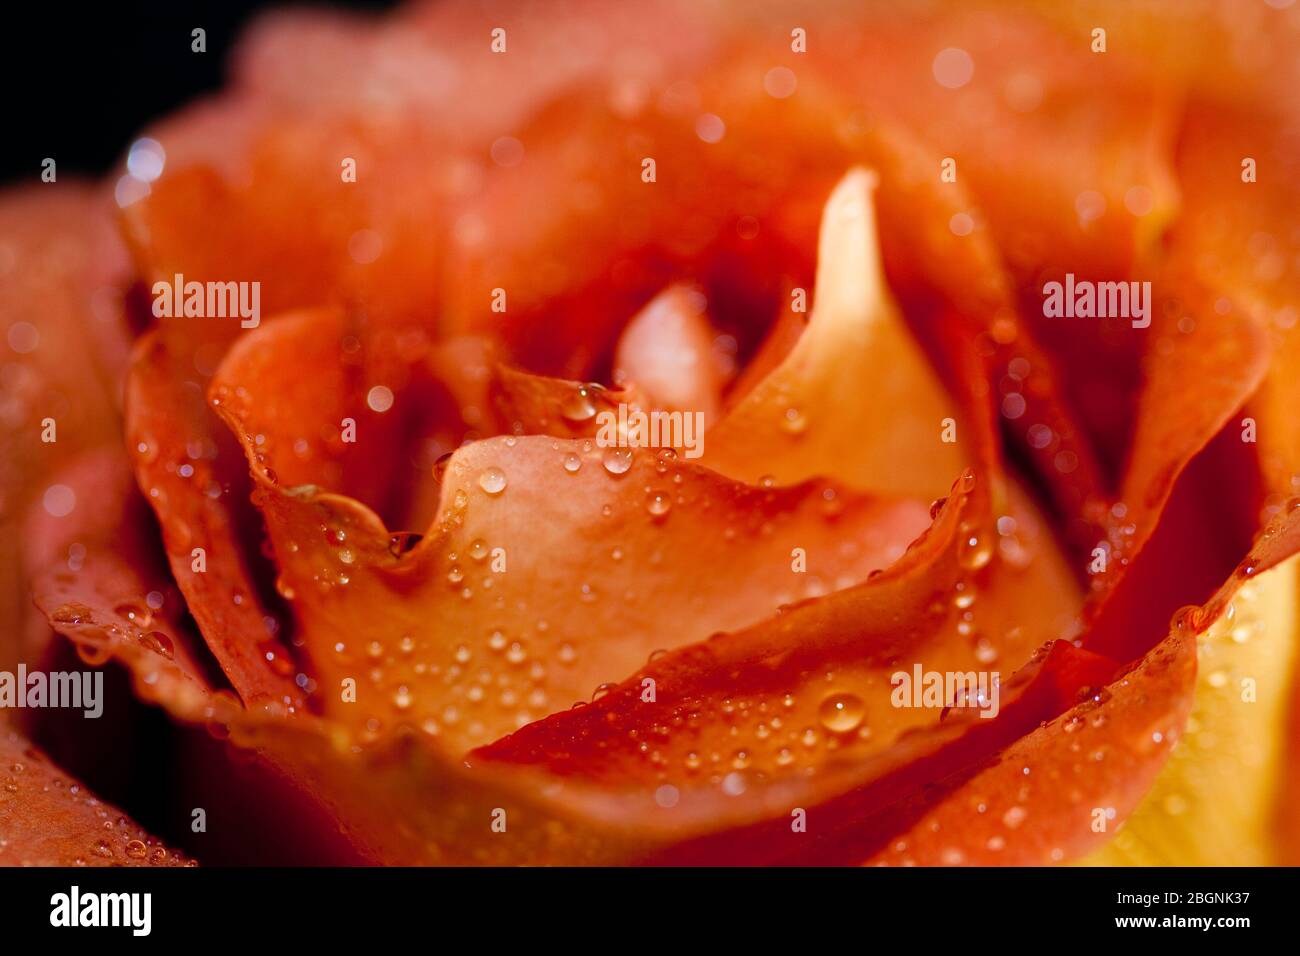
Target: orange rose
point(836, 405)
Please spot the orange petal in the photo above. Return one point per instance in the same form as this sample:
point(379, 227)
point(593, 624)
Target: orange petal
point(96, 578)
point(1226, 355)
point(1064, 154)
point(809, 416)
point(1237, 240)
point(540, 405)
point(667, 351)
point(61, 286)
point(183, 474)
point(803, 697)
point(403, 99)
point(1224, 324)
point(1042, 799)
point(1102, 757)
point(48, 820)
point(504, 584)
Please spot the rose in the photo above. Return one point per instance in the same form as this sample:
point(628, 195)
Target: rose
point(438, 230)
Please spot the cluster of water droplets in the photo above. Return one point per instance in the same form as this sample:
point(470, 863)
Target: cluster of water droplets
point(118, 840)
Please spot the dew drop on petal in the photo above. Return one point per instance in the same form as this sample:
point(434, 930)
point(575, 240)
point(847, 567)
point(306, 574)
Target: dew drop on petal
point(617, 461)
point(793, 422)
point(577, 405)
point(492, 480)
point(841, 713)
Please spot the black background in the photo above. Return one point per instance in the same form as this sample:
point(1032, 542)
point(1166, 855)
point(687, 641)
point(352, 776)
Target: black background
point(80, 80)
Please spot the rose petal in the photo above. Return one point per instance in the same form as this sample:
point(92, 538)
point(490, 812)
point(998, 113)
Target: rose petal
point(112, 599)
point(1050, 138)
point(1237, 240)
point(1044, 797)
point(807, 417)
point(61, 278)
point(1226, 355)
point(1217, 801)
point(803, 696)
point(667, 351)
point(1223, 777)
point(539, 405)
point(182, 473)
point(401, 98)
point(503, 588)
point(49, 820)
point(1223, 326)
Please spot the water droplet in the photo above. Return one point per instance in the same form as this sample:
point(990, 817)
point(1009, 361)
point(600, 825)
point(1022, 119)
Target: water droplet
point(578, 405)
point(492, 480)
point(841, 713)
point(1187, 618)
point(160, 643)
point(658, 503)
point(73, 614)
point(617, 460)
point(793, 422)
point(572, 463)
point(975, 551)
